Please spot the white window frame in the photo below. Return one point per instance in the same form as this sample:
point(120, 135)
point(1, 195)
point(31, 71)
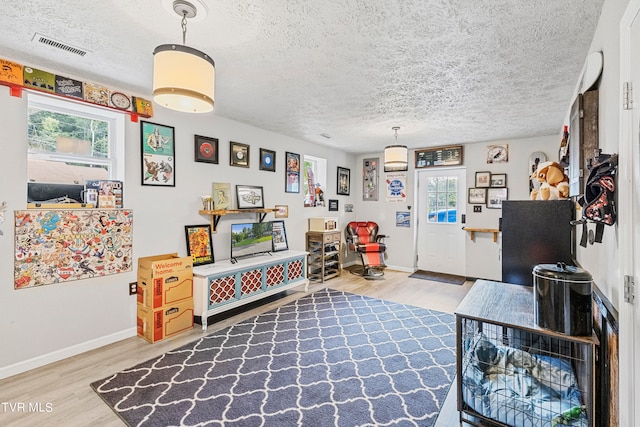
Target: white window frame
point(116, 121)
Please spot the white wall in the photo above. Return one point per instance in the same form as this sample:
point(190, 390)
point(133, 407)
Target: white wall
point(47, 323)
point(482, 255)
point(601, 260)
point(51, 322)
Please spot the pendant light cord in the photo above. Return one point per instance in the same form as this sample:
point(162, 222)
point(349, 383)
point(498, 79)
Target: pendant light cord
point(184, 28)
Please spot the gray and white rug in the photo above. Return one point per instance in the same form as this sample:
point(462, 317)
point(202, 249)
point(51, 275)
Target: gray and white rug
point(328, 359)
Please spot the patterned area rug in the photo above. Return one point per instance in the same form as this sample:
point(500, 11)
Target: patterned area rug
point(329, 358)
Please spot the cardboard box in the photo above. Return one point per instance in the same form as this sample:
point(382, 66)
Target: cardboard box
point(155, 325)
point(323, 224)
point(164, 280)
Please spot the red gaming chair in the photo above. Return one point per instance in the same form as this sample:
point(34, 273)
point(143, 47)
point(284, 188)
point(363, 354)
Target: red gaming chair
point(363, 238)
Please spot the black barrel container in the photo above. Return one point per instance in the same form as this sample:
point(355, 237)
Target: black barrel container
point(563, 299)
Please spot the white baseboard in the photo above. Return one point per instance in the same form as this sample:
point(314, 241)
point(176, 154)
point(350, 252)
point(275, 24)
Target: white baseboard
point(55, 356)
point(399, 268)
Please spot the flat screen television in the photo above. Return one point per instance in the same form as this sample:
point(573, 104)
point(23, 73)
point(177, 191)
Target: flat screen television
point(252, 238)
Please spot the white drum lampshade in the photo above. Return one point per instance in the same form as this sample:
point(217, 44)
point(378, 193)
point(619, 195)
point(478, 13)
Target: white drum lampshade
point(183, 78)
point(395, 158)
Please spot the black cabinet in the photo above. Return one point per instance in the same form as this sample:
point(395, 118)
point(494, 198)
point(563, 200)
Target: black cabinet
point(535, 232)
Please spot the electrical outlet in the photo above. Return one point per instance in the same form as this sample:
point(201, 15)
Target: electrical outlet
point(477, 208)
point(133, 288)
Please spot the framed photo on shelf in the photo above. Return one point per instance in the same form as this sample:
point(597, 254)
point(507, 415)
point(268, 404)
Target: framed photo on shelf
point(279, 236)
point(292, 173)
point(370, 172)
point(238, 154)
point(157, 143)
point(249, 197)
point(206, 149)
point(483, 179)
point(477, 196)
point(344, 181)
point(495, 196)
point(282, 211)
point(199, 246)
point(267, 160)
point(498, 180)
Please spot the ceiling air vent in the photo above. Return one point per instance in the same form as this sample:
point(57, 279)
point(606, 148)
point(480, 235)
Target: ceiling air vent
point(58, 44)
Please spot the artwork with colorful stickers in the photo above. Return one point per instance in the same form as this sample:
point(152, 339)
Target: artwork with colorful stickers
point(57, 246)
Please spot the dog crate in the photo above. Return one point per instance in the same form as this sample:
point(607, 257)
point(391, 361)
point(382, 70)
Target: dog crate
point(511, 372)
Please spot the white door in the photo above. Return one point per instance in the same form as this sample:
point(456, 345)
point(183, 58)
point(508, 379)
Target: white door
point(441, 203)
point(628, 181)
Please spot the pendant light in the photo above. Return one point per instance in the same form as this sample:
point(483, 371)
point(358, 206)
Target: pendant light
point(183, 77)
point(395, 156)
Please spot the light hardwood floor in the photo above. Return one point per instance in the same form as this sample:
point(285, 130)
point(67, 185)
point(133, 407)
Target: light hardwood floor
point(62, 389)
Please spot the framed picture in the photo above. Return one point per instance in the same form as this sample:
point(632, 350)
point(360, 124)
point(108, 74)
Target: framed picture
point(483, 179)
point(157, 144)
point(344, 181)
point(238, 154)
point(206, 149)
point(370, 172)
point(199, 245)
point(292, 173)
point(498, 180)
point(267, 160)
point(439, 156)
point(249, 197)
point(282, 211)
point(477, 196)
point(333, 205)
point(495, 196)
point(498, 153)
point(279, 236)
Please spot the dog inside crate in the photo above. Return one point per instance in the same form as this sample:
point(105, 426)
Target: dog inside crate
point(523, 379)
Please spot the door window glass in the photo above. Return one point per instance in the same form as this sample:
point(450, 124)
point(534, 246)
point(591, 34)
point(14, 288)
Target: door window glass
point(442, 199)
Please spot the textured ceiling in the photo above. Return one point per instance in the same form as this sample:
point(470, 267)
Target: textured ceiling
point(445, 71)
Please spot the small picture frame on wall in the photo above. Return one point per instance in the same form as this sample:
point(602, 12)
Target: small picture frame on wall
point(370, 174)
point(292, 172)
point(206, 149)
point(483, 179)
point(239, 154)
point(495, 197)
point(158, 154)
point(344, 181)
point(333, 205)
point(249, 197)
point(477, 196)
point(267, 160)
point(199, 245)
point(282, 211)
point(279, 236)
point(498, 180)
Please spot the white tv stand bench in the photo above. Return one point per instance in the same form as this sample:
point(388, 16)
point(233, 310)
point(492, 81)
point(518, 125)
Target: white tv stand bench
point(223, 286)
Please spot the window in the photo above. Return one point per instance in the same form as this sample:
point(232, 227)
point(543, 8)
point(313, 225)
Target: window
point(69, 143)
point(314, 180)
point(442, 199)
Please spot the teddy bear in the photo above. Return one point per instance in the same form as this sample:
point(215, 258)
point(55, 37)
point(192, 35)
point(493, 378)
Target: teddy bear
point(554, 183)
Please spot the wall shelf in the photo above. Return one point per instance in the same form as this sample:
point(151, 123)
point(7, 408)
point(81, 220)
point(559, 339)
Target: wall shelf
point(473, 231)
point(218, 213)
